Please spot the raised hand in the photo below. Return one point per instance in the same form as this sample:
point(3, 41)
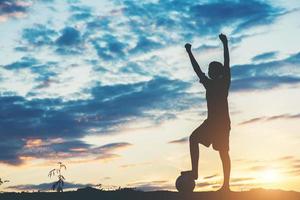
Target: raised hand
point(188, 47)
point(223, 38)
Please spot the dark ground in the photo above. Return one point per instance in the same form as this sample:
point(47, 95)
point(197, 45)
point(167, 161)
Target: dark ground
point(258, 194)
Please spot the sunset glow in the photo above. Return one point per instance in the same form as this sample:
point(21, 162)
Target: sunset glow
point(270, 176)
point(107, 88)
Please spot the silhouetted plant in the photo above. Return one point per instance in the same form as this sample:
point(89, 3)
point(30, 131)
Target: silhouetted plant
point(3, 181)
point(99, 187)
point(58, 185)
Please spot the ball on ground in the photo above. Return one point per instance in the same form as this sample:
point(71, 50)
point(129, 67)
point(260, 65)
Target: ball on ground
point(185, 183)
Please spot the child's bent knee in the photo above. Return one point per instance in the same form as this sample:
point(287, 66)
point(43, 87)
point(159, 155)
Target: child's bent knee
point(193, 138)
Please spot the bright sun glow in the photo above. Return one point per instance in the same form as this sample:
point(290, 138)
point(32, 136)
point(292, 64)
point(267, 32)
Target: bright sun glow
point(270, 176)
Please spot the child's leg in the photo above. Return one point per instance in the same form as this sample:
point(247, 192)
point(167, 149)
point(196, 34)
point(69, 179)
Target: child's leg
point(200, 135)
point(224, 155)
point(194, 151)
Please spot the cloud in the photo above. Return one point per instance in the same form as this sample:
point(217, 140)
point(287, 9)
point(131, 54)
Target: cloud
point(294, 170)
point(100, 25)
point(241, 179)
point(204, 184)
point(250, 121)
point(179, 141)
point(43, 71)
point(134, 165)
point(102, 110)
point(187, 20)
point(190, 17)
point(211, 176)
point(270, 118)
point(258, 167)
point(65, 41)
point(39, 35)
point(285, 158)
point(9, 149)
point(266, 75)
point(109, 47)
point(265, 56)
point(18, 152)
point(68, 43)
point(145, 27)
point(145, 45)
point(284, 116)
point(108, 110)
point(146, 24)
point(245, 13)
point(25, 62)
point(271, 68)
point(69, 36)
point(134, 68)
point(13, 9)
point(80, 13)
point(262, 82)
point(111, 147)
point(294, 165)
point(206, 48)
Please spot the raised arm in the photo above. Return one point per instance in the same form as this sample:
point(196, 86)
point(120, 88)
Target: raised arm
point(195, 65)
point(224, 40)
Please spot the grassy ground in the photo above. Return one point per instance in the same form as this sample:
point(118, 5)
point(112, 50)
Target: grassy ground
point(158, 195)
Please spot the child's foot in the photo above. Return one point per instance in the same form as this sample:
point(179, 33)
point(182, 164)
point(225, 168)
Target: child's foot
point(224, 188)
point(194, 175)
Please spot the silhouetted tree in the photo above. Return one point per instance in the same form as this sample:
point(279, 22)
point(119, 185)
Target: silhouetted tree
point(58, 185)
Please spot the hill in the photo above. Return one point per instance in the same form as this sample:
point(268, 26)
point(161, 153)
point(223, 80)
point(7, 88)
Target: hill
point(258, 194)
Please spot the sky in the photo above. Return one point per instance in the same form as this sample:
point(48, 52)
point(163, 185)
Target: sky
point(106, 87)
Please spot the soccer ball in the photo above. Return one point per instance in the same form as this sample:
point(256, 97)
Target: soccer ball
point(185, 183)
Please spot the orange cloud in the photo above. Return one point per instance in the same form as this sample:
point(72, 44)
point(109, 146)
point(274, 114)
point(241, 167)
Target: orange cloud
point(31, 143)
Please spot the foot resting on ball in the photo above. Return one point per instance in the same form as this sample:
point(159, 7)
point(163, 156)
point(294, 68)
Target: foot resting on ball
point(191, 173)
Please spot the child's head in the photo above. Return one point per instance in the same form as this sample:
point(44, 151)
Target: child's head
point(215, 70)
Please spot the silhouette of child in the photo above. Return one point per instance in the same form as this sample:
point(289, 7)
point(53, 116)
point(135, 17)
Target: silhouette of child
point(216, 128)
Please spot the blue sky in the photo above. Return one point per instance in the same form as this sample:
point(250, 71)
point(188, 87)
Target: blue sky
point(77, 76)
